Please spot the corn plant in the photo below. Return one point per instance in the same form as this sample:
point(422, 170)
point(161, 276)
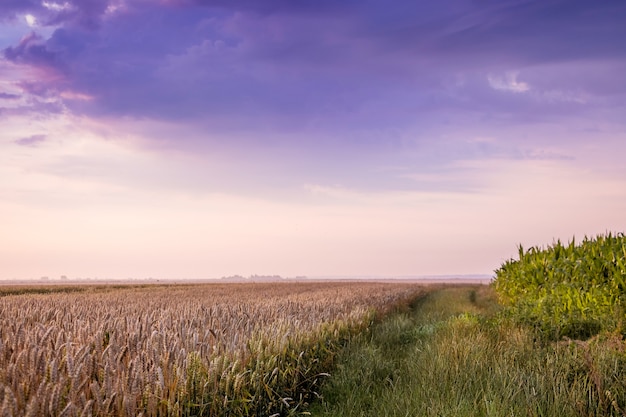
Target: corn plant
point(573, 290)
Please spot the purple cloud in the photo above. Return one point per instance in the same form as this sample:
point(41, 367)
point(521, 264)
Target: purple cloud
point(9, 96)
point(85, 14)
point(10, 8)
point(31, 141)
point(321, 68)
point(31, 51)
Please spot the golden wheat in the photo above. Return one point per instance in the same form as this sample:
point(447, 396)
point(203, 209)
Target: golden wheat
point(174, 350)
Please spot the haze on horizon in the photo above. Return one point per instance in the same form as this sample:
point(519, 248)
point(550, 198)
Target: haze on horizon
point(204, 138)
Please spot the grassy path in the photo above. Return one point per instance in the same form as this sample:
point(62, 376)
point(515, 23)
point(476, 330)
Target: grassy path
point(442, 357)
point(380, 372)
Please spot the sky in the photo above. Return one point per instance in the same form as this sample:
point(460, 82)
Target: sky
point(207, 138)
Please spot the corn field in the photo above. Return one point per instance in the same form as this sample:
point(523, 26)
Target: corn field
point(179, 350)
point(573, 290)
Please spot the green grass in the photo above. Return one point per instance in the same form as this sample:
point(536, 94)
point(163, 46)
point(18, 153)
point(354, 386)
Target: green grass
point(450, 355)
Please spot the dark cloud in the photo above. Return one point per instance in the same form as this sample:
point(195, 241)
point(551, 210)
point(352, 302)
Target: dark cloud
point(298, 67)
point(10, 8)
point(505, 33)
point(275, 6)
point(31, 140)
point(31, 50)
point(81, 13)
point(38, 89)
point(9, 96)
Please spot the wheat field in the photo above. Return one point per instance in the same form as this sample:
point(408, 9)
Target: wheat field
point(179, 350)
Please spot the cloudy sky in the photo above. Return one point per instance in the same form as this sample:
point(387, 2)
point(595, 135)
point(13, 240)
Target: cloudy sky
point(202, 138)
